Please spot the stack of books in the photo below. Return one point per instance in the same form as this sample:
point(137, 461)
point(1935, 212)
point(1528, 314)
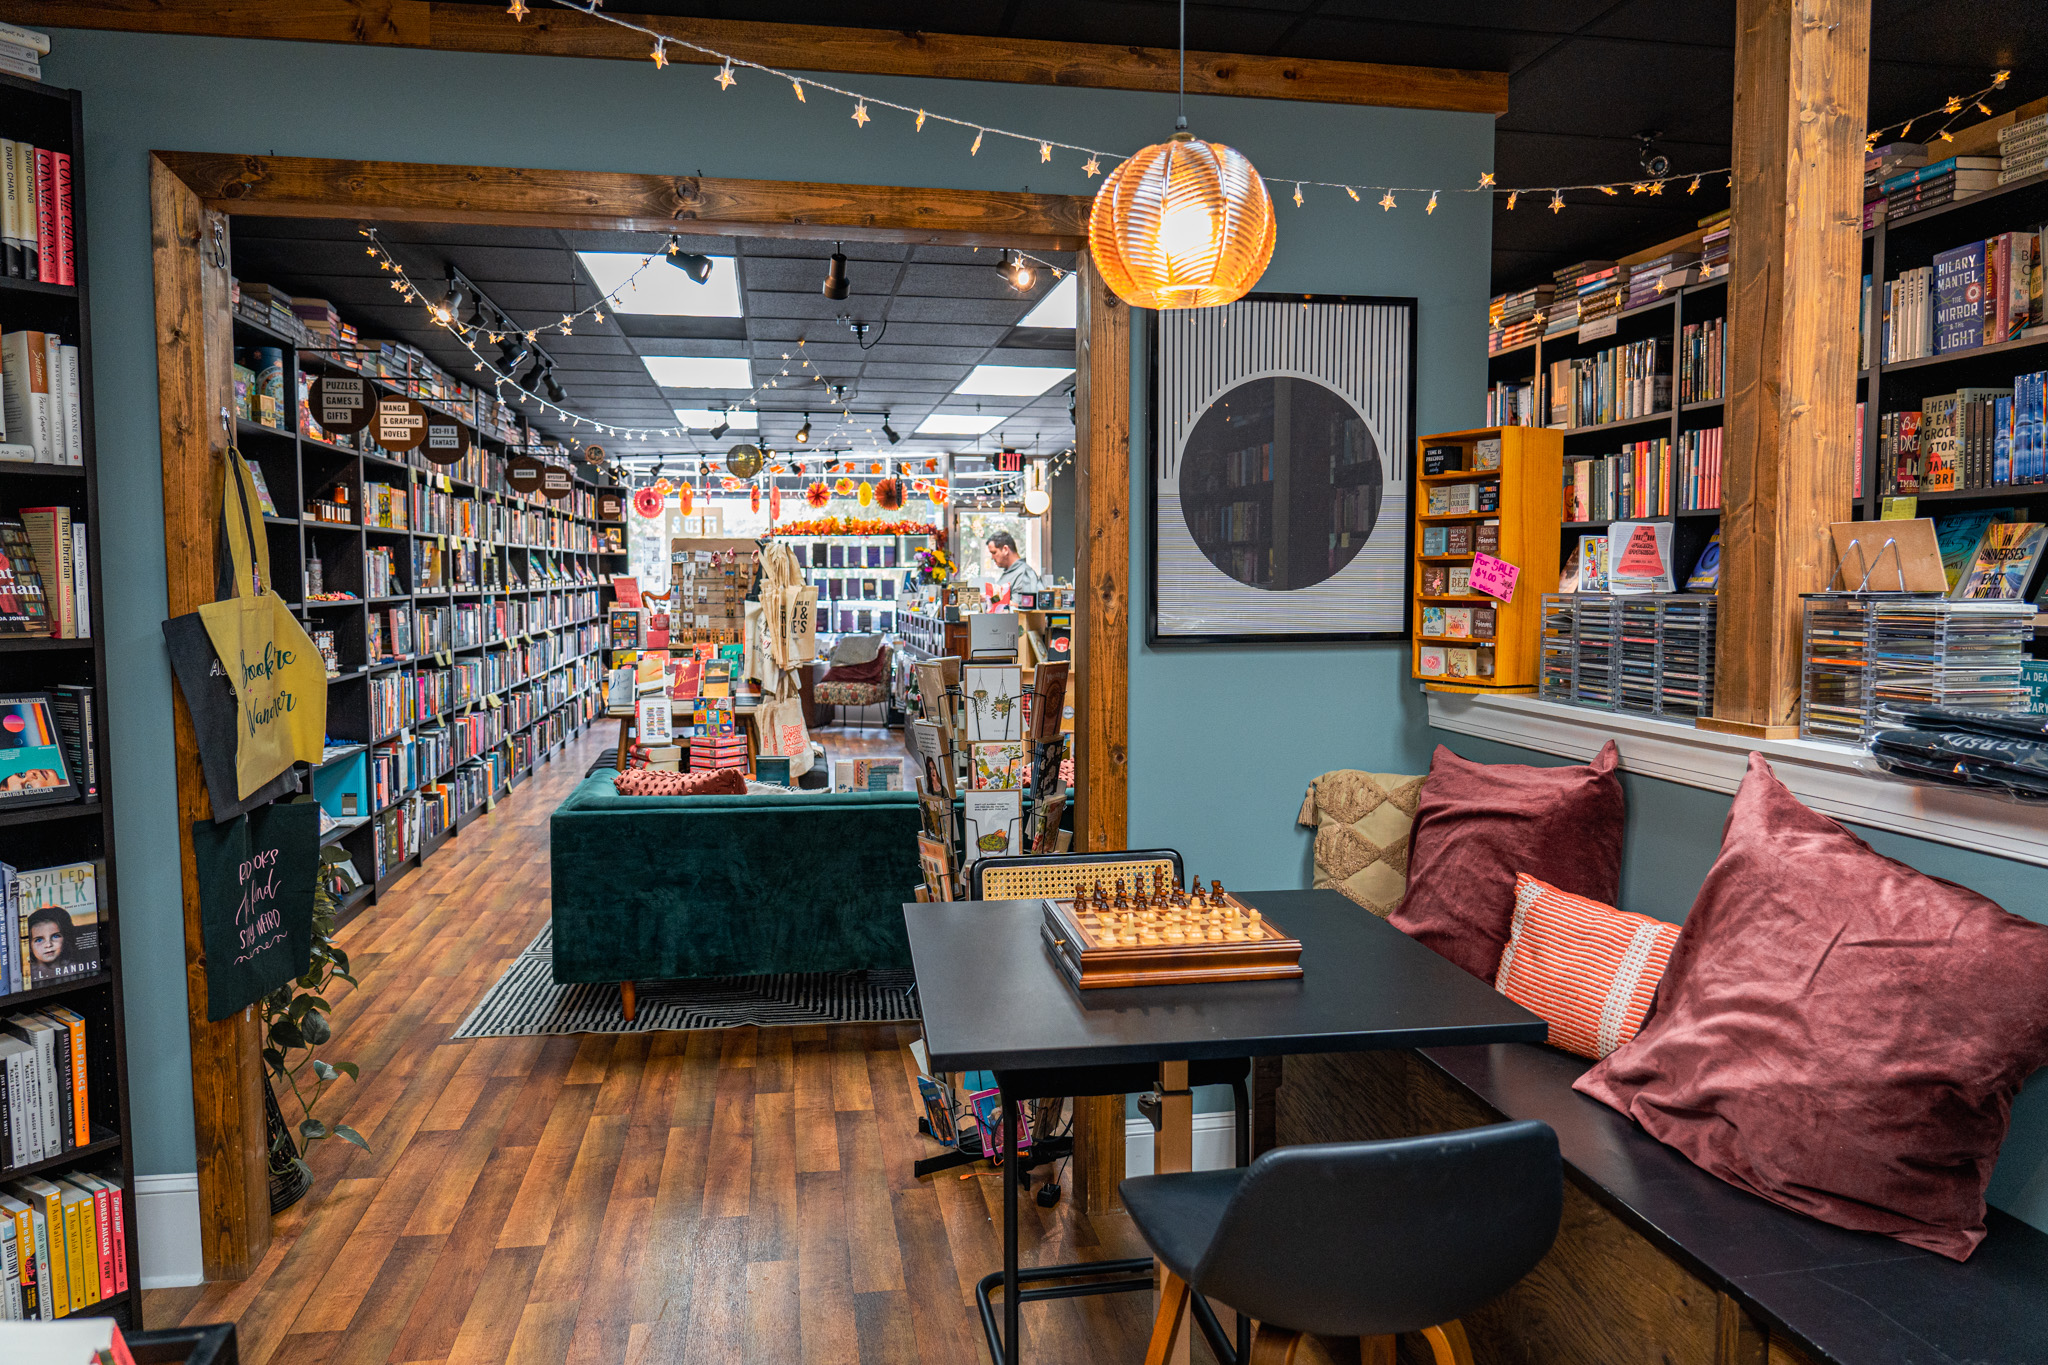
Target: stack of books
point(1652, 280)
point(1909, 315)
point(1881, 164)
point(1922, 188)
point(1602, 292)
point(22, 51)
point(1564, 308)
point(1513, 319)
point(2023, 149)
point(1714, 247)
point(708, 752)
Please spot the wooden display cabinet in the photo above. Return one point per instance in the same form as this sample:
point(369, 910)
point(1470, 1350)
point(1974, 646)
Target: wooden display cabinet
point(1530, 485)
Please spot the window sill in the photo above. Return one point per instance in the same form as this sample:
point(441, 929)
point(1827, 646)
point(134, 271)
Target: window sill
point(1824, 776)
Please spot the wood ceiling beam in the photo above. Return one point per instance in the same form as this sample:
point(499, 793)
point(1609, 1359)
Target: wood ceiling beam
point(549, 32)
point(619, 201)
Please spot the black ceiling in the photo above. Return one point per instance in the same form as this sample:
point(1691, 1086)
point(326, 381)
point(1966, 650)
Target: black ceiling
point(1585, 76)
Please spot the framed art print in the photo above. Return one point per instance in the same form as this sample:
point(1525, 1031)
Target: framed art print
point(1280, 474)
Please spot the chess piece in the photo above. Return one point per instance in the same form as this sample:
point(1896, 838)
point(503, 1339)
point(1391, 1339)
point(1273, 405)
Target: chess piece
point(1216, 893)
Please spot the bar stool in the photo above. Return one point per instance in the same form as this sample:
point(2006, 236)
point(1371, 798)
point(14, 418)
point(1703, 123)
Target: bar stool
point(1352, 1239)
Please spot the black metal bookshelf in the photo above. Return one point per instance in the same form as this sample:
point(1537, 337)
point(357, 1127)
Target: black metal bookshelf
point(75, 831)
point(1881, 387)
point(537, 590)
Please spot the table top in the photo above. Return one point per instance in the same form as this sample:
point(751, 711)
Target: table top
point(993, 1001)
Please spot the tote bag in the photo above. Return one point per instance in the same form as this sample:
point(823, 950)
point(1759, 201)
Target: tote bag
point(279, 680)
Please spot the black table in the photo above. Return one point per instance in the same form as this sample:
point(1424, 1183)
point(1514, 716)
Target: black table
point(992, 1001)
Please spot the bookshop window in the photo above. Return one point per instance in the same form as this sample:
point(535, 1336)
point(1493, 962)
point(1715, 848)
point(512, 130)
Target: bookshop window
point(971, 530)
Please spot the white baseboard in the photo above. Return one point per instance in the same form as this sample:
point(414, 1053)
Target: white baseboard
point(167, 1230)
point(1215, 1144)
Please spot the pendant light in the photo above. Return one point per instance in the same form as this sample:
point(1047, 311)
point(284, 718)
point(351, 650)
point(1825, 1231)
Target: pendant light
point(1037, 502)
point(1184, 223)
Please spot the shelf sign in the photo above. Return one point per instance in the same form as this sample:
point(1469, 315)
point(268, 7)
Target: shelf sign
point(400, 424)
point(1603, 327)
point(556, 482)
point(1494, 577)
point(524, 472)
point(446, 441)
point(341, 403)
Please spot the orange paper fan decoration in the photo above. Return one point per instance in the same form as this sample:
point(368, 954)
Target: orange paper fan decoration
point(817, 495)
point(843, 488)
point(889, 494)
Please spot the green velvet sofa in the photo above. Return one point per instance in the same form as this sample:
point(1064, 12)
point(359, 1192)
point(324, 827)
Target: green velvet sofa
point(651, 888)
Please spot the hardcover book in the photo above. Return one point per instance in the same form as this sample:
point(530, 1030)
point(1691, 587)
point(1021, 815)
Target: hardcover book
point(1959, 298)
point(2003, 563)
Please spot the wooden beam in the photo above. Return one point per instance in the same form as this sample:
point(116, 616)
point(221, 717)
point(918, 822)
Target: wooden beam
point(551, 32)
point(1102, 565)
point(1802, 78)
point(394, 191)
point(1098, 1153)
point(195, 349)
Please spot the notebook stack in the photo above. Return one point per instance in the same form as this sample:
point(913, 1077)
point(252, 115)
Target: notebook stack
point(708, 752)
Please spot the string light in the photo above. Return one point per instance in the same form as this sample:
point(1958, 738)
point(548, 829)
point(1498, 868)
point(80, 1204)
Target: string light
point(1952, 107)
point(860, 113)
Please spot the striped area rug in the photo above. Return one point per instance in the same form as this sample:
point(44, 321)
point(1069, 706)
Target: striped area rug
point(527, 1000)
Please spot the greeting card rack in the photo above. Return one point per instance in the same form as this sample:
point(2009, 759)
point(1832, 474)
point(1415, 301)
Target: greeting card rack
point(1494, 492)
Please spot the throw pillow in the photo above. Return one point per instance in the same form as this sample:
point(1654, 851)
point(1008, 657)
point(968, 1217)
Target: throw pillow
point(1362, 822)
point(1479, 825)
point(1837, 1032)
point(1588, 969)
point(654, 782)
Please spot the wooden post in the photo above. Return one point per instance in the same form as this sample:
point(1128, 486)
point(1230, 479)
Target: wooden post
point(195, 349)
point(1802, 78)
point(1102, 564)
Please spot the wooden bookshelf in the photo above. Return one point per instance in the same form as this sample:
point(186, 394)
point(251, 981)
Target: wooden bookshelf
point(1529, 483)
point(42, 836)
point(519, 601)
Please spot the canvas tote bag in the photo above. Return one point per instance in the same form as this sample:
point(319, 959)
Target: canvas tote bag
point(279, 680)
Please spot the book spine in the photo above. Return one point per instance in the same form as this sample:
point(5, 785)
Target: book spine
point(47, 1077)
point(103, 1237)
point(46, 216)
point(81, 586)
point(38, 43)
point(117, 1203)
point(79, 1257)
point(74, 411)
point(50, 1251)
point(60, 1060)
point(25, 182)
point(67, 248)
point(81, 1099)
point(10, 212)
point(34, 1299)
point(10, 1272)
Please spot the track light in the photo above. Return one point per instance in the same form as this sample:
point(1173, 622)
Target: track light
point(888, 430)
point(449, 309)
point(1017, 270)
point(803, 434)
point(724, 424)
point(835, 275)
point(533, 376)
point(694, 264)
point(556, 393)
point(512, 354)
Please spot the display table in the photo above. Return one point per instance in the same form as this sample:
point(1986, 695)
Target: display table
point(994, 1001)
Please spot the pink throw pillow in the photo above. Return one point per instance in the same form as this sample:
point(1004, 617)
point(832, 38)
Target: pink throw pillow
point(1480, 825)
point(653, 782)
point(1837, 1032)
point(1589, 970)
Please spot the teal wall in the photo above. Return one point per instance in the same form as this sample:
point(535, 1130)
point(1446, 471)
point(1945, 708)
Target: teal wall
point(1674, 834)
point(1215, 735)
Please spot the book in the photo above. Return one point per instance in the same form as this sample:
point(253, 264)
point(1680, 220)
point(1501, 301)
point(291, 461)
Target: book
point(58, 908)
point(25, 212)
point(1433, 621)
point(21, 1222)
point(73, 1035)
point(49, 536)
point(1592, 564)
point(1959, 298)
point(1957, 537)
point(46, 215)
point(2003, 562)
point(1457, 623)
point(25, 401)
point(1641, 557)
point(69, 415)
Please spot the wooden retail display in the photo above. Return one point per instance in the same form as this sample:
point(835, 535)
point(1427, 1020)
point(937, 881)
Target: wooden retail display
point(1528, 479)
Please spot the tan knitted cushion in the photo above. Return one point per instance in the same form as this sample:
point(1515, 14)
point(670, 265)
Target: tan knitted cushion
point(1362, 822)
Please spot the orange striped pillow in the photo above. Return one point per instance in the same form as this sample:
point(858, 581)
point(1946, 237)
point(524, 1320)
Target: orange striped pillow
point(1588, 969)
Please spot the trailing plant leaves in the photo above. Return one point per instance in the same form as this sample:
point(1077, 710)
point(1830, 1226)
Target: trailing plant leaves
point(314, 1027)
point(312, 1130)
point(286, 1034)
point(348, 1134)
point(323, 1070)
point(347, 1069)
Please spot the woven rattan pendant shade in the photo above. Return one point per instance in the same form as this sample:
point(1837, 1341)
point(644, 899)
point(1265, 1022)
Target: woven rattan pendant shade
point(1184, 224)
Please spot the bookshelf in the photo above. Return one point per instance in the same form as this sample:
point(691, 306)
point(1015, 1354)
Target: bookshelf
point(43, 836)
point(1883, 388)
point(1525, 518)
point(462, 619)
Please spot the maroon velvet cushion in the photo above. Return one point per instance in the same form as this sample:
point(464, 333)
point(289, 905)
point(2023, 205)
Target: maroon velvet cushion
point(1837, 1032)
point(873, 671)
point(1480, 824)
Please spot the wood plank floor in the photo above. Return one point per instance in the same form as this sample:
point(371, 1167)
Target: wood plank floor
point(734, 1196)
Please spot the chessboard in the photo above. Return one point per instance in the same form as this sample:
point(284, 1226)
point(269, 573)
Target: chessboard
point(1164, 936)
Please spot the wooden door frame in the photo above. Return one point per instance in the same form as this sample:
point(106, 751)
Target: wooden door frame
point(191, 196)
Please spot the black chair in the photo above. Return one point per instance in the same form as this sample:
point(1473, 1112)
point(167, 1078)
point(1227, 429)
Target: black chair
point(1352, 1239)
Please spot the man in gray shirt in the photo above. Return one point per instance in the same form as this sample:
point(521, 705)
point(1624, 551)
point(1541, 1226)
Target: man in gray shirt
point(1016, 575)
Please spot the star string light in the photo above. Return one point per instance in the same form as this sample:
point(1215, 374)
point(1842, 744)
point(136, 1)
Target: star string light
point(860, 113)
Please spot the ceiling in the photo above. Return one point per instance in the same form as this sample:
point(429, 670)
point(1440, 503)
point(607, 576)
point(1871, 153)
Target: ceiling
point(1585, 76)
point(935, 313)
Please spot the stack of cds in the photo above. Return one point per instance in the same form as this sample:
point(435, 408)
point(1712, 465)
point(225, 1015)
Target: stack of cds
point(1650, 655)
point(1867, 650)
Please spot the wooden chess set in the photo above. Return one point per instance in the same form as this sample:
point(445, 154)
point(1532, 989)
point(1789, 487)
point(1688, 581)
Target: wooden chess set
point(1163, 934)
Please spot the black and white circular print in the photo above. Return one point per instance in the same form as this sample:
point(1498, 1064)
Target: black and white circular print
point(1280, 483)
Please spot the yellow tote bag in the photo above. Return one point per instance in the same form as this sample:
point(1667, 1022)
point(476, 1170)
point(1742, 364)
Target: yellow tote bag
point(279, 680)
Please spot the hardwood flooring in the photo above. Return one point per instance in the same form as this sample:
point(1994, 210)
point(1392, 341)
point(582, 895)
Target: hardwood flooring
point(727, 1197)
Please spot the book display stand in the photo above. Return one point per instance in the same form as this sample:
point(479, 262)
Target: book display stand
point(89, 1157)
point(1486, 514)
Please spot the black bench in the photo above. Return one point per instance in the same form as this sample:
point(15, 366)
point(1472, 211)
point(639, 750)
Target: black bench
point(1657, 1260)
